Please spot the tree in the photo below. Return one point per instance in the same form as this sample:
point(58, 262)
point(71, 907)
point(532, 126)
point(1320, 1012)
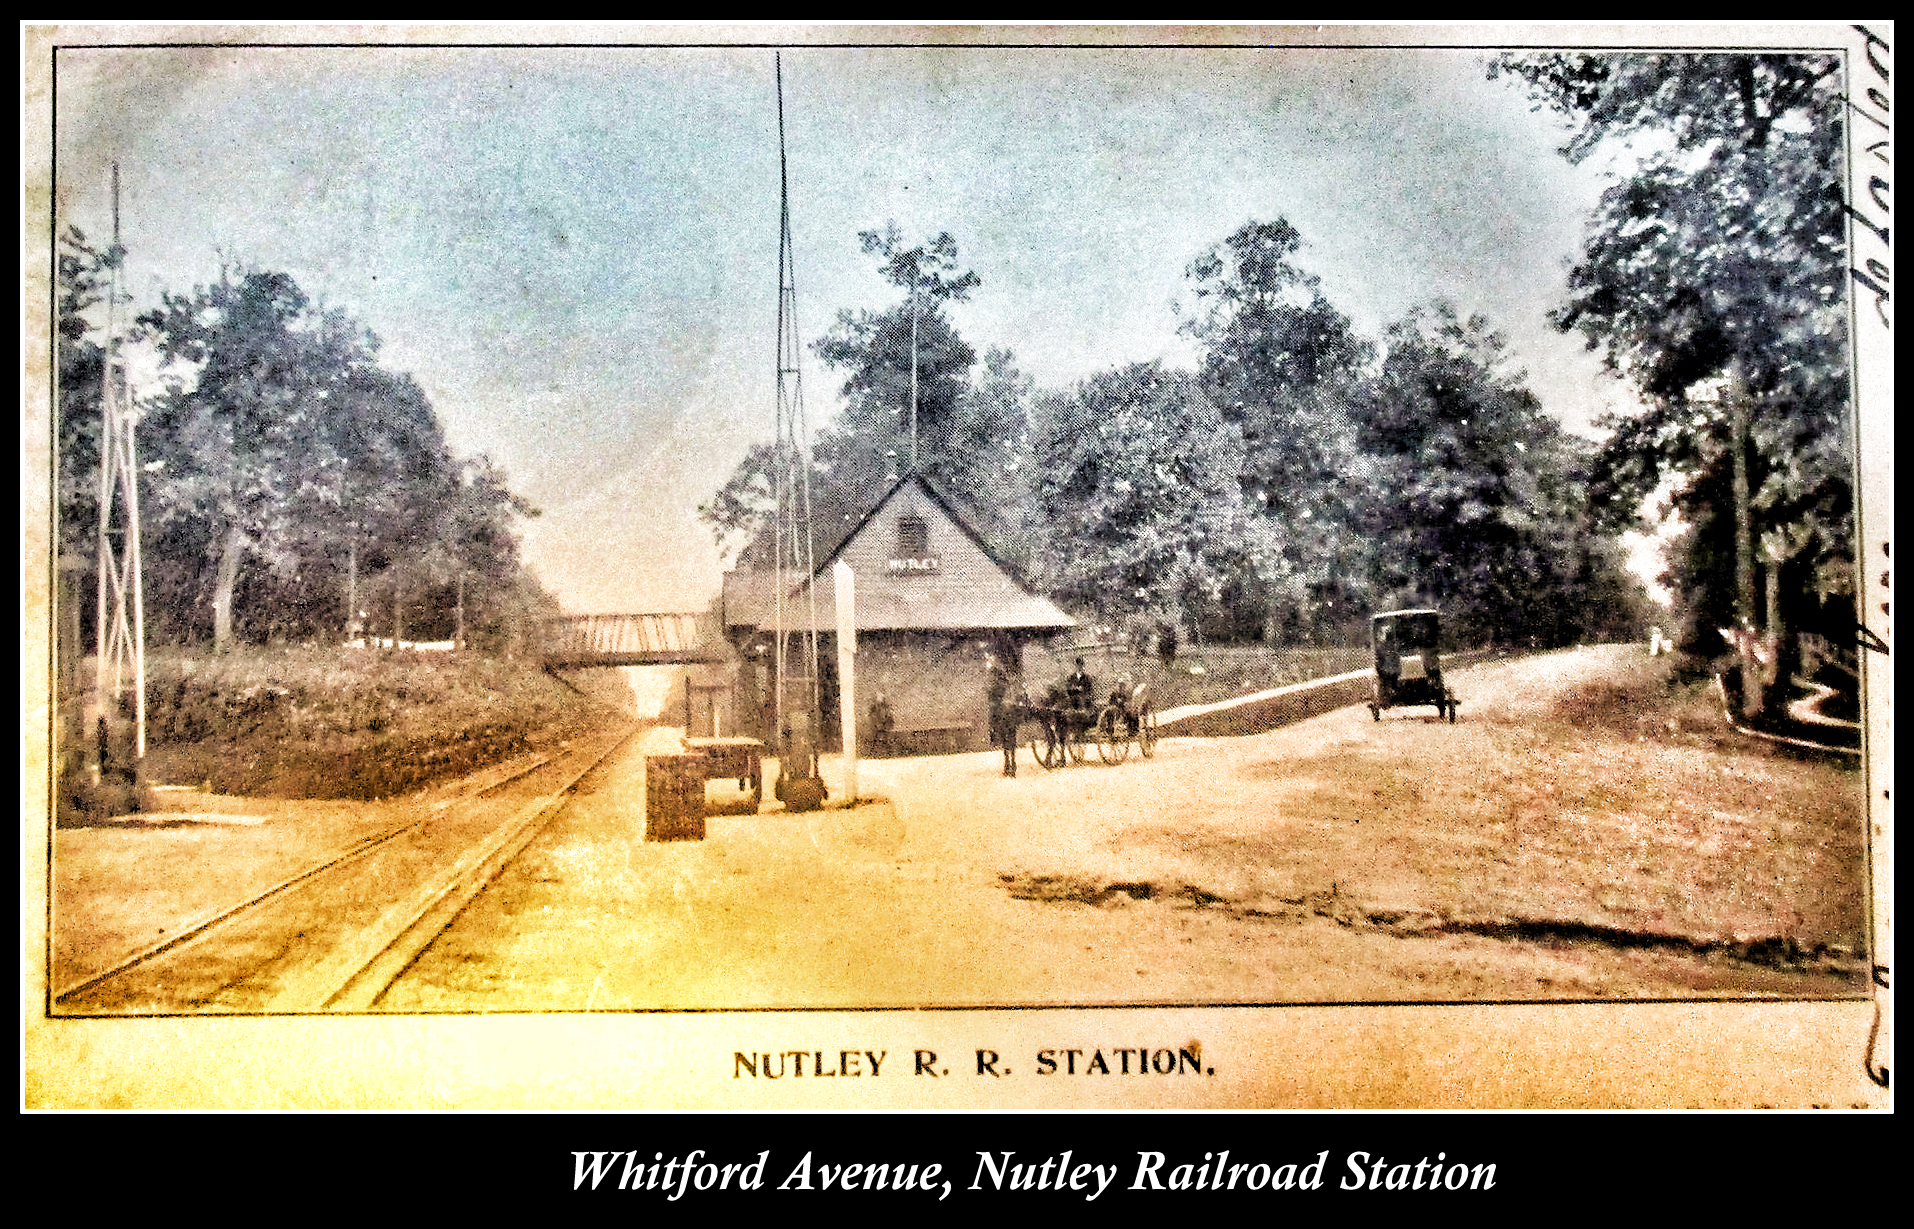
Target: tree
point(241, 450)
point(279, 439)
point(1136, 484)
point(741, 511)
point(849, 472)
point(391, 491)
point(474, 549)
point(1279, 362)
point(986, 462)
point(910, 347)
point(81, 272)
point(1473, 493)
point(1718, 258)
point(855, 458)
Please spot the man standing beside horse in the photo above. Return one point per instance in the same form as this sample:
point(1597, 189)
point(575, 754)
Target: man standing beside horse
point(1004, 690)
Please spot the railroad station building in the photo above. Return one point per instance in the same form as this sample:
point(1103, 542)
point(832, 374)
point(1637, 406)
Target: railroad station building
point(932, 598)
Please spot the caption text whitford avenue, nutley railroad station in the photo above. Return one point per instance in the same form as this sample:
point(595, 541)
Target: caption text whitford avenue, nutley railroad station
point(674, 1176)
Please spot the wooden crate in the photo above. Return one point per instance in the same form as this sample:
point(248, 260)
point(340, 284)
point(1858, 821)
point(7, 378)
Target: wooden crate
point(674, 797)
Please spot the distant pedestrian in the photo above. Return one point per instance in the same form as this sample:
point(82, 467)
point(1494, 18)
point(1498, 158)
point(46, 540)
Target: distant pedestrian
point(882, 723)
point(1004, 690)
point(1166, 645)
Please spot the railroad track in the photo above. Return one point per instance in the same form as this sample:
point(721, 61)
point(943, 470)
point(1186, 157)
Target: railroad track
point(334, 936)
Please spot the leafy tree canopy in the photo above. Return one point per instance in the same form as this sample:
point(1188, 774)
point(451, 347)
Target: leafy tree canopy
point(1473, 494)
point(1719, 248)
point(81, 278)
point(877, 351)
point(1281, 489)
point(961, 431)
point(279, 439)
point(1136, 487)
point(1279, 361)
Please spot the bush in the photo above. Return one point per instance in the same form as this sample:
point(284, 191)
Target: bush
point(335, 722)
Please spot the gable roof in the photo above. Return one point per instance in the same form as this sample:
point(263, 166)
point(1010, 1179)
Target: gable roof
point(973, 587)
point(937, 497)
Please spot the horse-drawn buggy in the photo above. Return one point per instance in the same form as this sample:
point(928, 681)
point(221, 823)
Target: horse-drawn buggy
point(1061, 729)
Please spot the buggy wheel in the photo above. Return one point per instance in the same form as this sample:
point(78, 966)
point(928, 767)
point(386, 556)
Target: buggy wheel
point(1113, 736)
point(1043, 746)
point(1075, 743)
point(1146, 731)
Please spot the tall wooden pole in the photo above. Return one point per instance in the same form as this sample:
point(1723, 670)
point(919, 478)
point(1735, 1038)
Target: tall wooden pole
point(1744, 513)
point(352, 588)
point(846, 584)
point(135, 569)
point(913, 375)
point(1753, 685)
point(104, 557)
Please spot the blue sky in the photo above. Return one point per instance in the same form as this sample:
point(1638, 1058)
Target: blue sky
point(574, 249)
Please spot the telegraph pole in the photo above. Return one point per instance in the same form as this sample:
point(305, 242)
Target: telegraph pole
point(796, 715)
point(913, 375)
point(1738, 415)
point(120, 629)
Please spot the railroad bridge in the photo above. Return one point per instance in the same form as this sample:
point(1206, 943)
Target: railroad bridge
point(577, 641)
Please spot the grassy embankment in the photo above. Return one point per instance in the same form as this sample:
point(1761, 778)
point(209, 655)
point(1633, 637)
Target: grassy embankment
point(312, 722)
point(1201, 675)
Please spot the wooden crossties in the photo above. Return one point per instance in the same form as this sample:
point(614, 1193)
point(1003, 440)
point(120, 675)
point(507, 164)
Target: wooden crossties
point(579, 641)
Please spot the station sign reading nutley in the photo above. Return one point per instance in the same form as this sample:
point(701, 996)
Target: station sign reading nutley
point(905, 567)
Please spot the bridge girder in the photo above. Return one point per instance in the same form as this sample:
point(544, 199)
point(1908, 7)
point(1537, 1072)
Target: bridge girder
point(670, 639)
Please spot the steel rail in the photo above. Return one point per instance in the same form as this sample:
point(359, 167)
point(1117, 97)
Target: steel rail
point(356, 976)
point(476, 786)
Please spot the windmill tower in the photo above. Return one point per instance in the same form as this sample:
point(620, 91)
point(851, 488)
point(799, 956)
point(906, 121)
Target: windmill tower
point(797, 700)
point(120, 618)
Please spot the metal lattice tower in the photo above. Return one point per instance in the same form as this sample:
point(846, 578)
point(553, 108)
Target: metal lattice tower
point(120, 616)
point(796, 558)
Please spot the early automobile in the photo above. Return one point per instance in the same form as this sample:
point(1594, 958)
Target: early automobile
point(1408, 665)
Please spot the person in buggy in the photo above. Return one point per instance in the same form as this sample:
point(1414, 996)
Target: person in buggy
point(1080, 689)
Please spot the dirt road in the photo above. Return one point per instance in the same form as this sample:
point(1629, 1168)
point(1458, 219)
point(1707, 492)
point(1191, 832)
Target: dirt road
point(1584, 832)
